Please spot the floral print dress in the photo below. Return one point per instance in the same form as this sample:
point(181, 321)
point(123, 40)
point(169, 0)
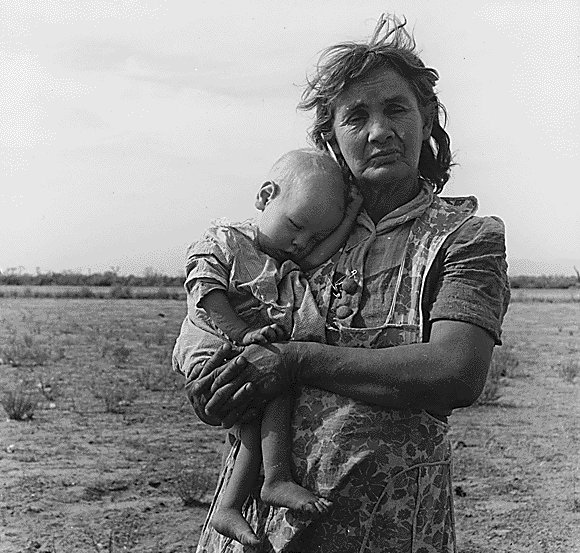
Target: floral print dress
point(386, 472)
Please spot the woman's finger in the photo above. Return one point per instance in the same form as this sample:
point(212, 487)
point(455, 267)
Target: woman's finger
point(221, 401)
point(241, 401)
point(227, 373)
point(223, 353)
point(201, 384)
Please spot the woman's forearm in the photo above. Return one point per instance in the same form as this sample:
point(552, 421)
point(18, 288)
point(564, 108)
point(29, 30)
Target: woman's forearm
point(443, 374)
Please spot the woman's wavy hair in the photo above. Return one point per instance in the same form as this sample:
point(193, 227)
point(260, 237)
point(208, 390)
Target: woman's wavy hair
point(391, 46)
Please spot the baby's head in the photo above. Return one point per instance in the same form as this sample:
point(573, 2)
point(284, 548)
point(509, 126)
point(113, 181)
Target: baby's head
point(301, 203)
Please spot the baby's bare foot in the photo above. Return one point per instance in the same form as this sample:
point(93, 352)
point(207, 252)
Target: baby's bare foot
point(232, 524)
point(291, 495)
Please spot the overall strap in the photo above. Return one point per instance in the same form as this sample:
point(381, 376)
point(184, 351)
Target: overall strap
point(427, 235)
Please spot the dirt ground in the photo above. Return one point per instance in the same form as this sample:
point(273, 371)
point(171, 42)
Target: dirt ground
point(114, 460)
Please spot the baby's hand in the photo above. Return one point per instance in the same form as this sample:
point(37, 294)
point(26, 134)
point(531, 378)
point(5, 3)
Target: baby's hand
point(265, 335)
point(355, 202)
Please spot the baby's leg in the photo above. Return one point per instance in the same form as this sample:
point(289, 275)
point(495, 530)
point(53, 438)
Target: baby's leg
point(279, 487)
point(228, 519)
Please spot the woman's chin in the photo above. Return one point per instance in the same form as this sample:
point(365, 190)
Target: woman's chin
point(388, 174)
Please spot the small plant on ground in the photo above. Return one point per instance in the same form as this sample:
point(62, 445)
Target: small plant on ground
point(117, 396)
point(154, 379)
point(48, 386)
point(124, 536)
point(504, 363)
point(120, 356)
point(121, 292)
point(24, 350)
point(192, 485)
point(570, 370)
point(19, 404)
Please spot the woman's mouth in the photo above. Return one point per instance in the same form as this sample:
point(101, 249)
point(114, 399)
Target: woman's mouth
point(389, 156)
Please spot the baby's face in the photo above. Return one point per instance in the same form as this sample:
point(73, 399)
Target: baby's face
point(293, 223)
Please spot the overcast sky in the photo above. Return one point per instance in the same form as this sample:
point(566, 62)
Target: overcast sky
point(126, 126)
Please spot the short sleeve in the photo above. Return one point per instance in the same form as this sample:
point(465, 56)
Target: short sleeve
point(207, 267)
point(469, 281)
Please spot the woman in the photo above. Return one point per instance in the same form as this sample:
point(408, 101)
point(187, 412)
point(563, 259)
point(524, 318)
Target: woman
point(418, 272)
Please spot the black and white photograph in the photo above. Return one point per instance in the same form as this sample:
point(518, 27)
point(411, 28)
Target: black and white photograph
point(289, 276)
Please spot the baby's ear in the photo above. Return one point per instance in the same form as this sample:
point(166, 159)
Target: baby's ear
point(268, 191)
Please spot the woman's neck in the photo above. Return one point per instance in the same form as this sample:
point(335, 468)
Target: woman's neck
point(379, 201)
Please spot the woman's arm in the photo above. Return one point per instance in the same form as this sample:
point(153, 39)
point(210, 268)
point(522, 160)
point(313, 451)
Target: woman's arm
point(325, 249)
point(447, 372)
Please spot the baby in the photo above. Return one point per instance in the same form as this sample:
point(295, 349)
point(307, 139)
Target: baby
point(245, 285)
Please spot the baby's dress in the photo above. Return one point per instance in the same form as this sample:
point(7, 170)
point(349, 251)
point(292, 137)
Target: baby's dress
point(261, 290)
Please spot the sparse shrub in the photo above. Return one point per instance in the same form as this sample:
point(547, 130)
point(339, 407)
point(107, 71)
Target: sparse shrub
point(48, 386)
point(570, 370)
point(121, 292)
point(154, 379)
point(123, 536)
point(503, 364)
point(490, 393)
point(160, 336)
point(19, 404)
point(192, 486)
point(24, 350)
point(162, 294)
point(85, 292)
point(120, 355)
point(116, 395)
point(505, 361)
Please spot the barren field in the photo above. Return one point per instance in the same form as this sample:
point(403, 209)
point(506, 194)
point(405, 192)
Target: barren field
point(113, 459)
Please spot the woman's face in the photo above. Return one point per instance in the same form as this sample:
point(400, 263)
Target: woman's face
point(379, 129)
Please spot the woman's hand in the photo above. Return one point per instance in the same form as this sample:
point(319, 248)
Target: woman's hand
point(234, 387)
point(198, 386)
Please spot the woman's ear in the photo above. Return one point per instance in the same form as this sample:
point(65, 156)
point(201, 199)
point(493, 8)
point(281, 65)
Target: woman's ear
point(268, 191)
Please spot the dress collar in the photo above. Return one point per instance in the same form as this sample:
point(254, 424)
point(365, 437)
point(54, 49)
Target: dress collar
point(407, 212)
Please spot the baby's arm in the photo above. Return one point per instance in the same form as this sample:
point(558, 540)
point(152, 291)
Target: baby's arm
point(333, 242)
point(220, 311)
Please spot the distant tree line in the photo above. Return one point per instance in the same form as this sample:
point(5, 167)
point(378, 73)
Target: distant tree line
point(69, 278)
point(151, 278)
point(544, 281)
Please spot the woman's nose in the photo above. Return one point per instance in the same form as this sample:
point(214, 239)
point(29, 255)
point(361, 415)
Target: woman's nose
point(380, 130)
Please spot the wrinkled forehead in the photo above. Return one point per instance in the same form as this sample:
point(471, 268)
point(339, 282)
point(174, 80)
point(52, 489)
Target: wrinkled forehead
point(382, 84)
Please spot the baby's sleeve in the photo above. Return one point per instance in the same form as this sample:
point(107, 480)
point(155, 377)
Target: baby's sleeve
point(207, 267)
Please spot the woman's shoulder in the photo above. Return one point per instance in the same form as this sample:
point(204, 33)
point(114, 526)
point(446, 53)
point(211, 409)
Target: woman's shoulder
point(486, 228)
point(474, 226)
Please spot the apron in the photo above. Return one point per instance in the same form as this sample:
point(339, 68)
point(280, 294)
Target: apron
point(387, 472)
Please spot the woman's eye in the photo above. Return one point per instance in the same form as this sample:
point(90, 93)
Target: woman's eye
point(355, 118)
point(396, 109)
